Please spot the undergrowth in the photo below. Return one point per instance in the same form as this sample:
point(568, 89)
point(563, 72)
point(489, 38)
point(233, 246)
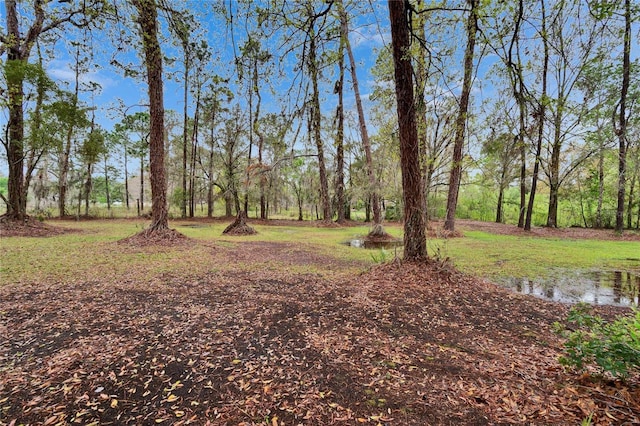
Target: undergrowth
point(613, 347)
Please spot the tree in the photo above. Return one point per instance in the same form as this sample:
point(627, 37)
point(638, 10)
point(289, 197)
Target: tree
point(90, 152)
point(314, 105)
point(377, 230)
point(18, 45)
point(75, 120)
point(508, 36)
point(211, 112)
point(540, 113)
point(148, 29)
point(572, 36)
point(139, 124)
point(415, 245)
point(39, 141)
point(230, 153)
point(621, 131)
point(120, 137)
point(500, 151)
point(463, 105)
point(253, 57)
point(339, 124)
point(67, 120)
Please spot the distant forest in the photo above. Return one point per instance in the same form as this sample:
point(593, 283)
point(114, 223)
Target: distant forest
point(526, 112)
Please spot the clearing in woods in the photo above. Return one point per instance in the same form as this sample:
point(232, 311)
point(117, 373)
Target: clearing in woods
point(279, 329)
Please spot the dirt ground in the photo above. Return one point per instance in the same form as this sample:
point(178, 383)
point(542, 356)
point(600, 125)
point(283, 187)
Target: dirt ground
point(402, 344)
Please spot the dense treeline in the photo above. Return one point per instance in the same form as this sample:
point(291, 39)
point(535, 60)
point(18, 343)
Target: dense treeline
point(526, 111)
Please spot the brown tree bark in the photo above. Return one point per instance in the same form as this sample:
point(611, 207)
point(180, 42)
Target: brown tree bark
point(315, 127)
point(18, 51)
point(542, 108)
point(185, 128)
point(426, 163)
point(147, 20)
point(622, 126)
point(65, 155)
point(373, 184)
point(554, 167)
point(18, 46)
point(517, 81)
point(339, 89)
point(194, 153)
point(456, 167)
point(415, 244)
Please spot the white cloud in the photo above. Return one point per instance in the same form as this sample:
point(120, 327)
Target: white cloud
point(368, 36)
point(63, 72)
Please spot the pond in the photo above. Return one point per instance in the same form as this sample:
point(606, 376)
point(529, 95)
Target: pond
point(618, 288)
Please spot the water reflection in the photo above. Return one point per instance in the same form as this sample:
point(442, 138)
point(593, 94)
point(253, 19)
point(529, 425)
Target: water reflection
point(619, 288)
point(362, 243)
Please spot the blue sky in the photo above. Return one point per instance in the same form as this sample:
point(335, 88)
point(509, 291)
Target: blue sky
point(368, 34)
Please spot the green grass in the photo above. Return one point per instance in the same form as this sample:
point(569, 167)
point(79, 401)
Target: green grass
point(491, 256)
point(94, 250)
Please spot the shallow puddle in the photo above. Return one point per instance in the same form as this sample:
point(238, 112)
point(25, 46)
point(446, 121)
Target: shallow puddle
point(361, 243)
point(619, 288)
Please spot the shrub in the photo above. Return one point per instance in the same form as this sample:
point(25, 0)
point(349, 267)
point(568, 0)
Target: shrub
point(614, 347)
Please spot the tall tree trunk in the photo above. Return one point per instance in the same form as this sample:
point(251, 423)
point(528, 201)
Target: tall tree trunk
point(228, 203)
point(248, 174)
point(517, 80)
point(499, 216)
point(18, 50)
point(456, 167)
point(147, 19)
point(15, 144)
point(126, 178)
point(340, 199)
point(622, 126)
point(142, 182)
point(106, 182)
point(185, 134)
point(421, 114)
point(554, 167)
point(256, 128)
point(66, 152)
point(87, 189)
point(18, 46)
point(598, 223)
point(541, 112)
point(210, 177)
point(315, 127)
point(194, 155)
point(415, 243)
point(373, 184)
point(523, 178)
point(632, 185)
point(36, 118)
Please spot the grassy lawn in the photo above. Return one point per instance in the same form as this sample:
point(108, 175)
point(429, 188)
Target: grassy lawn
point(483, 254)
point(94, 249)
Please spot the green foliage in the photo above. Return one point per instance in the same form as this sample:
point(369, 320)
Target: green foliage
point(93, 146)
point(99, 193)
point(381, 257)
point(4, 185)
point(393, 212)
point(177, 197)
point(613, 347)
